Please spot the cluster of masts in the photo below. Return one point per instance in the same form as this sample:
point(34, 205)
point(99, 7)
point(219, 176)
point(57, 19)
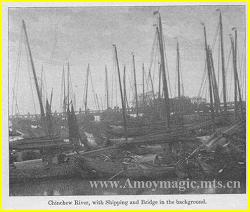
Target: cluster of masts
point(213, 85)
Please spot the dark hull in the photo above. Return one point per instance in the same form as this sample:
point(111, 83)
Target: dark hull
point(33, 170)
point(110, 169)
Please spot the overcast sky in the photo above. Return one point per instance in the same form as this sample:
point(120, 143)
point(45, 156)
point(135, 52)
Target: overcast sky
point(83, 35)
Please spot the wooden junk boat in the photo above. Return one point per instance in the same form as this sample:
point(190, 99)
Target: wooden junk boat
point(130, 170)
point(105, 167)
point(49, 154)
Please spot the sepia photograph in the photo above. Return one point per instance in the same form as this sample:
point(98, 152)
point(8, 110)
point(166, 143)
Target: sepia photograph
point(126, 100)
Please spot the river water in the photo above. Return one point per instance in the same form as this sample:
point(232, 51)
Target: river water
point(79, 186)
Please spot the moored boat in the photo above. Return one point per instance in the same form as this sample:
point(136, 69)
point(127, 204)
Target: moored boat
point(128, 169)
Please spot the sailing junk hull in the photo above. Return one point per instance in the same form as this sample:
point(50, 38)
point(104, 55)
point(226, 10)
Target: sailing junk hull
point(40, 143)
point(131, 132)
point(107, 169)
point(33, 170)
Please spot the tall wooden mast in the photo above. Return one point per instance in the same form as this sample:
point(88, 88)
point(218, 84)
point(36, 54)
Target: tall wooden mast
point(164, 79)
point(143, 86)
point(214, 82)
point(122, 99)
point(124, 86)
point(107, 87)
point(68, 86)
point(86, 91)
point(152, 84)
point(34, 72)
point(237, 90)
point(135, 86)
point(235, 76)
point(223, 66)
point(41, 84)
point(51, 96)
point(159, 83)
point(64, 92)
point(178, 70)
point(209, 75)
point(97, 101)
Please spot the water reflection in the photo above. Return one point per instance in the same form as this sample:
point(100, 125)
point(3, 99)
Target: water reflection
point(78, 186)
